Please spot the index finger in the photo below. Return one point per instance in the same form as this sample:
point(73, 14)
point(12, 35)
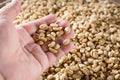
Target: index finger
point(31, 27)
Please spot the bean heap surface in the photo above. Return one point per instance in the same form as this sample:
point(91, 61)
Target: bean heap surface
point(96, 23)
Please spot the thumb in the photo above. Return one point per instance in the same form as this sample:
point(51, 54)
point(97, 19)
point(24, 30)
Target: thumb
point(10, 11)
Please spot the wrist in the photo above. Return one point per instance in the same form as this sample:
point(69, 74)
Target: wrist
point(1, 77)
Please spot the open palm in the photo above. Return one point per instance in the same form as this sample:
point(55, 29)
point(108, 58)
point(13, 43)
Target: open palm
point(20, 57)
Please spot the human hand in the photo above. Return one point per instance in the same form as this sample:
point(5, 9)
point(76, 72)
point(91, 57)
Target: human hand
point(20, 57)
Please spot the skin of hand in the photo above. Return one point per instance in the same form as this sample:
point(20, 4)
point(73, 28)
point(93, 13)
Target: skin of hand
point(20, 57)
